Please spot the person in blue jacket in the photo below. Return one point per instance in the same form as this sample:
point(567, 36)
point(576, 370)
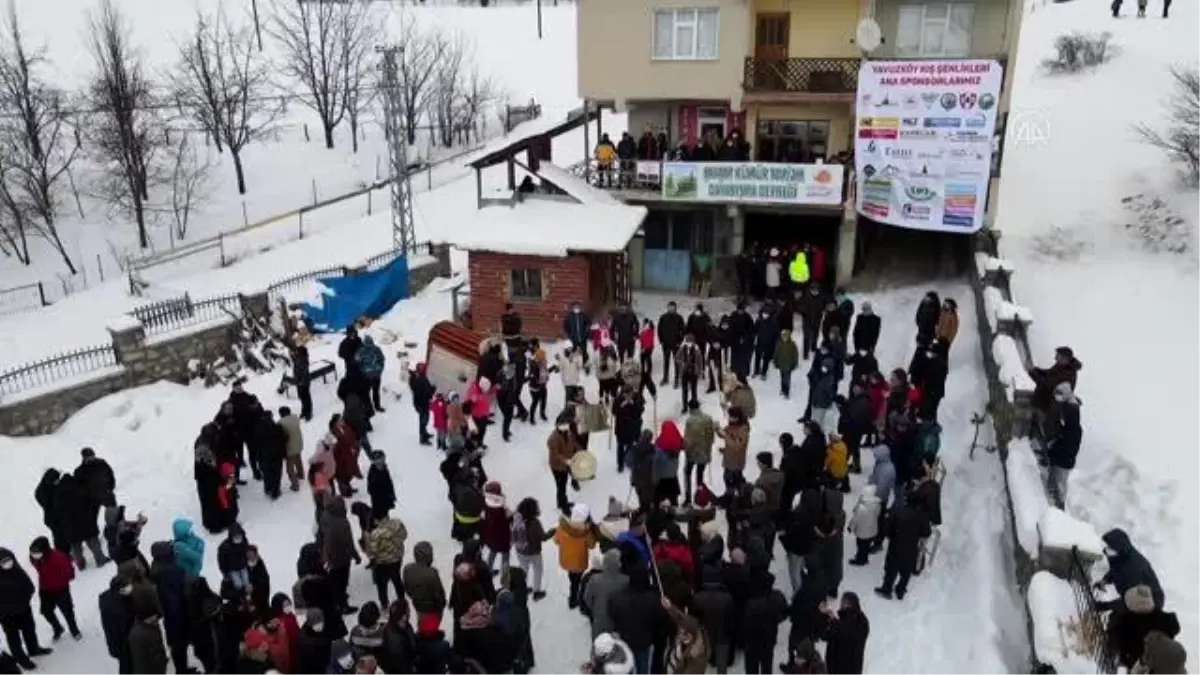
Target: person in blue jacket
point(189, 549)
point(576, 329)
point(634, 539)
point(369, 359)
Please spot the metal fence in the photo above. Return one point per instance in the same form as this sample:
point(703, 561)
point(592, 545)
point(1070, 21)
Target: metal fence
point(277, 289)
point(168, 315)
point(56, 368)
point(1093, 624)
point(21, 298)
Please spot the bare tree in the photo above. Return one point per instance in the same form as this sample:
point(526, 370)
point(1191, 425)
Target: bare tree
point(423, 50)
point(445, 91)
point(1181, 139)
point(36, 139)
point(125, 130)
point(478, 93)
point(319, 41)
point(190, 184)
point(361, 81)
point(225, 88)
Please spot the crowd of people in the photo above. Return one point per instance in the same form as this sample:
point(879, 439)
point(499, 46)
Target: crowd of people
point(674, 578)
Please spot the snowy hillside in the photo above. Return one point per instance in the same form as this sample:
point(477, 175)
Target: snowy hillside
point(1129, 313)
point(285, 170)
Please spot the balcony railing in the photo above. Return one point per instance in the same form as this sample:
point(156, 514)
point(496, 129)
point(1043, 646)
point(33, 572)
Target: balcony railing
point(801, 76)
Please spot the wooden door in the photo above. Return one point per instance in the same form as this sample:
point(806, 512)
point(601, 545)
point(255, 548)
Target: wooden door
point(771, 48)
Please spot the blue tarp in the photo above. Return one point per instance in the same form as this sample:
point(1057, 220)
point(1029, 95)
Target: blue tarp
point(350, 298)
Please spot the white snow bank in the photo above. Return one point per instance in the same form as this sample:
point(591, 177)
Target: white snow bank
point(1060, 531)
point(1013, 375)
point(544, 227)
point(999, 265)
point(981, 260)
point(1008, 311)
point(992, 300)
point(1056, 626)
point(1028, 494)
point(122, 323)
point(998, 309)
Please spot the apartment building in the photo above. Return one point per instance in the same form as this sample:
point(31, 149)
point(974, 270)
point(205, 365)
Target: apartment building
point(783, 73)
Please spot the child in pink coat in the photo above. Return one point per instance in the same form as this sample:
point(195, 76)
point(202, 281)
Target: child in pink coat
point(480, 396)
point(601, 335)
point(437, 410)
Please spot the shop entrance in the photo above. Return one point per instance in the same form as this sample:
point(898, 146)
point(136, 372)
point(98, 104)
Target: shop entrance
point(678, 255)
point(782, 231)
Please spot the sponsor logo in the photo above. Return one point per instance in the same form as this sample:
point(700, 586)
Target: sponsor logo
point(942, 122)
point(890, 171)
point(887, 128)
point(919, 193)
point(910, 122)
point(823, 177)
point(898, 153)
point(918, 134)
point(910, 102)
point(930, 154)
point(948, 101)
point(987, 102)
point(929, 98)
point(958, 209)
point(965, 153)
point(1030, 128)
point(872, 148)
point(975, 121)
point(877, 196)
point(969, 137)
point(865, 99)
point(869, 170)
point(916, 211)
point(925, 172)
point(882, 134)
point(967, 100)
point(965, 172)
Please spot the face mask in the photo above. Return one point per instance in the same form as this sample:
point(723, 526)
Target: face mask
point(7, 565)
point(35, 556)
point(346, 661)
point(318, 627)
point(252, 563)
point(575, 310)
point(862, 352)
point(563, 427)
point(238, 540)
point(1109, 552)
point(288, 609)
point(126, 590)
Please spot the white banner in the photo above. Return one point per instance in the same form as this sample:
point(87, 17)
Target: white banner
point(923, 145)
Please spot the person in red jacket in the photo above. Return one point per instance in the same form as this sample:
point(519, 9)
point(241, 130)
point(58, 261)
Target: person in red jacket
point(227, 496)
point(497, 526)
point(668, 447)
point(55, 572)
point(877, 393)
point(646, 345)
point(674, 548)
point(283, 612)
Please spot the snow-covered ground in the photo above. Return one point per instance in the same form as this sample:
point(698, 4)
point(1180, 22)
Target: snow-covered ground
point(966, 599)
point(1092, 285)
point(283, 172)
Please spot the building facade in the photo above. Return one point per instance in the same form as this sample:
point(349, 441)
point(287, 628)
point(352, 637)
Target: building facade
point(783, 74)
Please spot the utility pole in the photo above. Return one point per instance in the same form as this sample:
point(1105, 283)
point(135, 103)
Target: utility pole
point(403, 239)
point(539, 13)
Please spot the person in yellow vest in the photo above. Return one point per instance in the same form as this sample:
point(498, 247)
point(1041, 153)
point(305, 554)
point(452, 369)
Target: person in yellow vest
point(605, 155)
point(798, 272)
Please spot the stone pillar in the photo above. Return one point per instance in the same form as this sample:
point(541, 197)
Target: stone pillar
point(256, 304)
point(442, 253)
point(128, 340)
point(738, 240)
point(847, 245)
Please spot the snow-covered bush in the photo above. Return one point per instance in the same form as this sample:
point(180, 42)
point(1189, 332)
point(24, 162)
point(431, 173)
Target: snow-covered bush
point(1157, 227)
point(1078, 51)
point(1180, 139)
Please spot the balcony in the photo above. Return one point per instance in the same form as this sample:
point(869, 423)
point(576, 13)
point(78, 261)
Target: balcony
point(827, 78)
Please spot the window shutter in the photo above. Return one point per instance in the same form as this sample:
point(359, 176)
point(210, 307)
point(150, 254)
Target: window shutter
point(908, 30)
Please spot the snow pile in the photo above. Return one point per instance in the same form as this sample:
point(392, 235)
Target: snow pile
point(1057, 628)
point(122, 323)
point(1028, 494)
point(1013, 374)
point(544, 227)
point(1008, 311)
point(999, 265)
point(1060, 531)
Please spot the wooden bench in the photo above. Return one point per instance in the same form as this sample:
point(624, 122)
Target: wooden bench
point(317, 369)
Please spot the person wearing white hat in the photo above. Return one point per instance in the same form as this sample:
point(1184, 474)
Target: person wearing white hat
point(774, 274)
point(610, 656)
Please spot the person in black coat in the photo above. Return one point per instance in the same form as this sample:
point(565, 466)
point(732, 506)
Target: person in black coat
point(627, 409)
point(116, 618)
point(348, 349)
point(805, 613)
point(1127, 567)
point(577, 326)
point(640, 618)
point(316, 592)
point(928, 313)
point(699, 325)
point(203, 622)
point(302, 381)
point(170, 582)
point(766, 608)
point(510, 325)
point(380, 487)
point(16, 611)
point(237, 616)
point(271, 442)
point(314, 644)
point(99, 483)
point(670, 335)
point(907, 525)
point(44, 496)
point(867, 326)
point(846, 637)
point(855, 423)
point(811, 306)
point(78, 519)
point(260, 583)
point(712, 605)
point(766, 337)
point(422, 396)
point(624, 329)
point(1064, 449)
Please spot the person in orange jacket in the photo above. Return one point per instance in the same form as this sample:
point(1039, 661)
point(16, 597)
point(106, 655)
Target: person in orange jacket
point(575, 536)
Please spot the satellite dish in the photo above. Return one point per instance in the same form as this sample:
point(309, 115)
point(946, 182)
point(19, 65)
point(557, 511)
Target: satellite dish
point(869, 35)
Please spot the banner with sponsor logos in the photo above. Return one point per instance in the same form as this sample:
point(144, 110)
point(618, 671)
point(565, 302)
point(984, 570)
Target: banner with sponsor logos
point(923, 144)
point(752, 182)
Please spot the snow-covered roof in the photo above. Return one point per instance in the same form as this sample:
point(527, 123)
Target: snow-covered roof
point(545, 125)
point(546, 227)
point(575, 187)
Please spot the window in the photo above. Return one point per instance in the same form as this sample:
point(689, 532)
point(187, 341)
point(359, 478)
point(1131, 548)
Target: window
point(686, 34)
point(795, 141)
point(525, 284)
point(936, 29)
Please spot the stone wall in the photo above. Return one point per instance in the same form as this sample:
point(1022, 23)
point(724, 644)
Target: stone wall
point(143, 360)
